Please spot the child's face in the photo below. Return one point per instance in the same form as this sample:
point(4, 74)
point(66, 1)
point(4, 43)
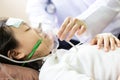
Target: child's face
point(27, 38)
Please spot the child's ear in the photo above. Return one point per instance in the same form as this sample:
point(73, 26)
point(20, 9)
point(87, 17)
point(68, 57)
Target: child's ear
point(14, 54)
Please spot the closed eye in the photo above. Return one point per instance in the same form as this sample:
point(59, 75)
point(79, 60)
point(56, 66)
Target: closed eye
point(27, 29)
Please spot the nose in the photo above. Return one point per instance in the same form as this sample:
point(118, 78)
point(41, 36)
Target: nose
point(38, 30)
point(40, 27)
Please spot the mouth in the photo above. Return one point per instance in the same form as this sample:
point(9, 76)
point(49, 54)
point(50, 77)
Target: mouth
point(45, 35)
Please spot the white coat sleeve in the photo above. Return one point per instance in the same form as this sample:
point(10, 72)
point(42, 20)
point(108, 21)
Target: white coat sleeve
point(99, 15)
point(36, 12)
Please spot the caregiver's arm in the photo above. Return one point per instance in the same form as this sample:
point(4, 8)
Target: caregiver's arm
point(106, 40)
point(97, 17)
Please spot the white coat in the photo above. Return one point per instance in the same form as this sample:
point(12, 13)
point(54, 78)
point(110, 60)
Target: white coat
point(87, 63)
point(98, 14)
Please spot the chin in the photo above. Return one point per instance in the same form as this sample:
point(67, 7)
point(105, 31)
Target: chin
point(51, 45)
point(50, 41)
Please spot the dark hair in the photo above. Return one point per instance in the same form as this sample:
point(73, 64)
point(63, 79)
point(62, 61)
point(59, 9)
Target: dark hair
point(7, 40)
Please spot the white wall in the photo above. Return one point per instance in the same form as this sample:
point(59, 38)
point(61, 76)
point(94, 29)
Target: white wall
point(13, 8)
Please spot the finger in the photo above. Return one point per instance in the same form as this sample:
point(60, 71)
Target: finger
point(63, 26)
point(117, 41)
point(72, 32)
point(100, 42)
point(81, 30)
point(106, 43)
point(67, 30)
point(93, 41)
point(82, 27)
point(112, 43)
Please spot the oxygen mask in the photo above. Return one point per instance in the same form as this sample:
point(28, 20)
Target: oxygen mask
point(51, 31)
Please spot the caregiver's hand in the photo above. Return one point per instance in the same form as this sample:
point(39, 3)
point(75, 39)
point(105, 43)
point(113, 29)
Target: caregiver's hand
point(106, 40)
point(69, 27)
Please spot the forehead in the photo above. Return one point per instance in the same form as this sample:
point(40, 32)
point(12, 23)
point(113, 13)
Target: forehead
point(23, 26)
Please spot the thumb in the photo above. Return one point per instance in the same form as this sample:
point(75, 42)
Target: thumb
point(93, 41)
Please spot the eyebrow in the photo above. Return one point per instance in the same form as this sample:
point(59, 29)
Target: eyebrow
point(27, 29)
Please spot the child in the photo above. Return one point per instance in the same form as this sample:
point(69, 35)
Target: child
point(20, 42)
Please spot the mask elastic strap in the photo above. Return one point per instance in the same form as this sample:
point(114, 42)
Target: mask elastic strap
point(33, 50)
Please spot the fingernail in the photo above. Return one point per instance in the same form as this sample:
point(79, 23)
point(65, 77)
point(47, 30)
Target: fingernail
point(112, 48)
point(61, 39)
point(67, 39)
point(118, 45)
point(106, 50)
point(98, 47)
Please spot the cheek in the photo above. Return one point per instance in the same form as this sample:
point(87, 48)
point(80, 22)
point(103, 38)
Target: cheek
point(48, 43)
point(27, 39)
point(27, 43)
point(45, 47)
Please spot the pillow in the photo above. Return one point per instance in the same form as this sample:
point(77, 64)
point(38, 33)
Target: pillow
point(14, 72)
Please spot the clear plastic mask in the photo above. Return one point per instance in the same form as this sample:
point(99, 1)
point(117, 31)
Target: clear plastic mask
point(50, 29)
